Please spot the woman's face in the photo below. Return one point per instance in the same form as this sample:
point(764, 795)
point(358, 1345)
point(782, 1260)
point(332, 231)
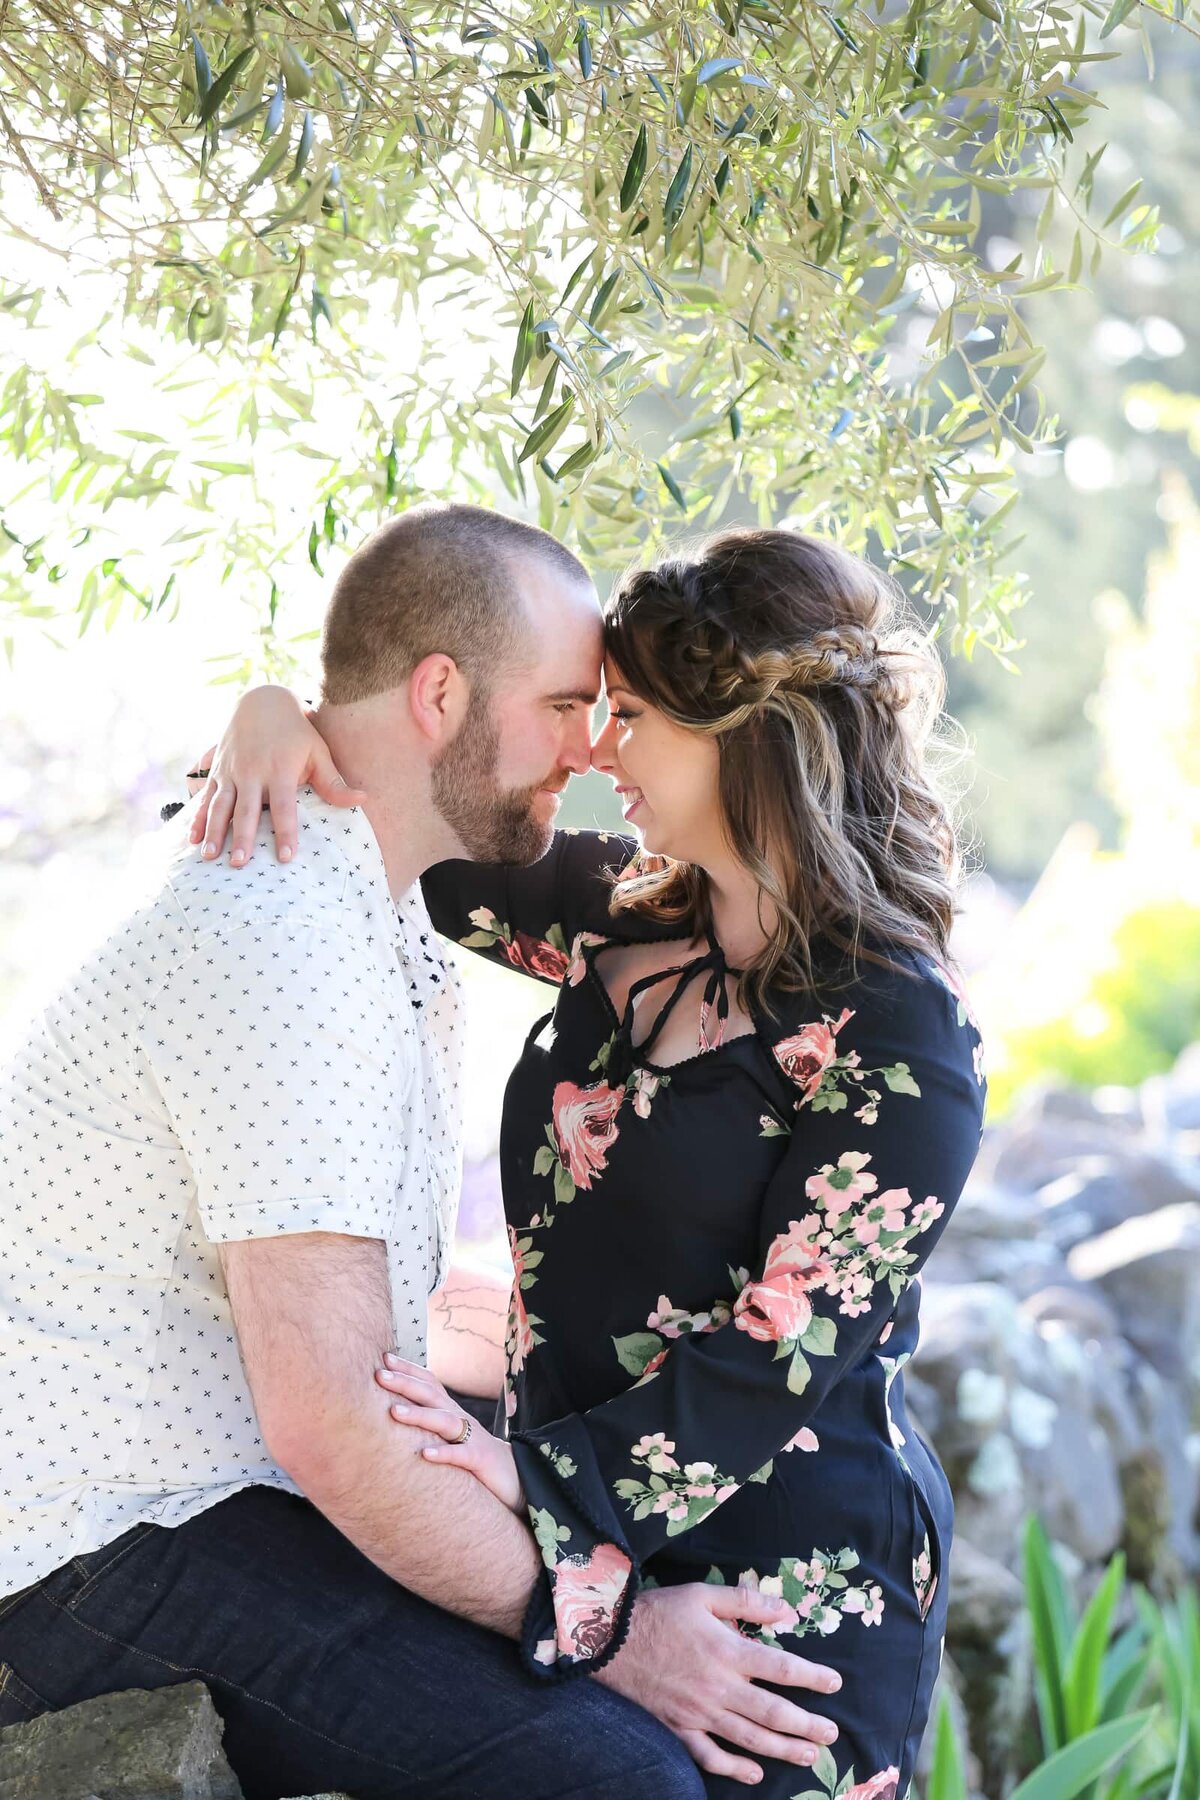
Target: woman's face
point(666, 776)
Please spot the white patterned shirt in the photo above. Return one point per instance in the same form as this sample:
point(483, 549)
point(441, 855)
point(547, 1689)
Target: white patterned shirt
point(255, 1051)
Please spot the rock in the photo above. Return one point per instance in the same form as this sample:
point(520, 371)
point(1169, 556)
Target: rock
point(1022, 1419)
point(1022, 1267)
point(1110, 1106)
point(996, 1236)
point(1173, 1100)
point(1103, 1191)
point(985, 1211)
point(984, 1597)
point(1161, 1482)
point(1075, 1480)
point(974, 1349)
point(1149, 1268)
point(1038, 1143)
point(162, 1745)
point(1073, 1307)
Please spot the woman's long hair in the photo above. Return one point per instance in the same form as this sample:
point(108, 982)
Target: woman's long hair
point(795, 655)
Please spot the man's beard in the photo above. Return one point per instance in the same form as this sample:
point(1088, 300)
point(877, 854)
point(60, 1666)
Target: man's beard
point(491, 825)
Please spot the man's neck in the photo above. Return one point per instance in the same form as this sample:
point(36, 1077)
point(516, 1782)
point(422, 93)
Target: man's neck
point(410, 833)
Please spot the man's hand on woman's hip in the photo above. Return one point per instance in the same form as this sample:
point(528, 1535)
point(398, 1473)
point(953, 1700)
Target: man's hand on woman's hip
point(686, 1662)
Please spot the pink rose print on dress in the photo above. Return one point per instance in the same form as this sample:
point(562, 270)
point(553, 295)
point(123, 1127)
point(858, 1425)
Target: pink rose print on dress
point(818, 1596)
point(585, 1124)
point(777, 1307)
point(885, 1213)
point(643, 1085)
point(854, 1247)
point(542, 957)
point(685, 1495)
point(880, 1787)
point(587, 1593)
point(828, 1079)
point(583, 1128)
point(534, 956)
point(838, 1188)
point(577, 966)
point(521, 1335)
point(812, 1050)
point(924, 1579)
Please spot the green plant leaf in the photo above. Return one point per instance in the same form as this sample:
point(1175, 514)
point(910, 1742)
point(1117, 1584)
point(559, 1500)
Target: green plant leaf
point(221, 86)
point(1118, 12)
point(946, 1778)
point(543, 436)
point(202, 67)
point(677, 192)
point(672, 486)
point(635, 170)
point(1046, 1598)
point(1085, 1662)
point(719, 65)
point(1070, 1769)
point(304, 146)
point(523, 350)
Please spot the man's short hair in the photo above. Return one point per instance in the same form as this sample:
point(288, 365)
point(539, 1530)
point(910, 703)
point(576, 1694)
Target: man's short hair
point(438, 578)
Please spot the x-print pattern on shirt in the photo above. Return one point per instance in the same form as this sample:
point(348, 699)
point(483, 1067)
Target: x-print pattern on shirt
point(249, 1053)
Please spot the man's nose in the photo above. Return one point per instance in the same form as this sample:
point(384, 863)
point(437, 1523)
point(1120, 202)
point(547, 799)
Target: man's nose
point(578, 756)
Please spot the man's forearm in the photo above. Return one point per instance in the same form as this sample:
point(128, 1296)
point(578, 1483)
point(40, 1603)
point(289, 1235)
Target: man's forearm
point(437, 1531)
point(313, 1316)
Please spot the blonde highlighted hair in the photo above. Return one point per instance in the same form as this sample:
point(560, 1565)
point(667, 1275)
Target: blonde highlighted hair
point(798, 658)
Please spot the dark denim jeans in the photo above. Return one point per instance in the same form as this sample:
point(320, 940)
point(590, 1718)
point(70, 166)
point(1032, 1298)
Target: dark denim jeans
point(326, 1673)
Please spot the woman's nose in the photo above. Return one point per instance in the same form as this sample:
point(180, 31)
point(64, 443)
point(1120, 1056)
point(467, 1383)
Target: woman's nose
point(602, 749)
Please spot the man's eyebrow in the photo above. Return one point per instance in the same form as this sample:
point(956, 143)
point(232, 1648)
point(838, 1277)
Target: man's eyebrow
point(586, 696)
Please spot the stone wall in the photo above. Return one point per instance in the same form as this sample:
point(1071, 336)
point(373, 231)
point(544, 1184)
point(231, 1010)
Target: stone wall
point(1059, 1370)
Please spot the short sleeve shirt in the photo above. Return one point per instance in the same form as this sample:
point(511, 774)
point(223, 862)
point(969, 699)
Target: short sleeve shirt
point(274, 1049)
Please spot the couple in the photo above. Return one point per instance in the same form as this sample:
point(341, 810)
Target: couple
point(232, 1144)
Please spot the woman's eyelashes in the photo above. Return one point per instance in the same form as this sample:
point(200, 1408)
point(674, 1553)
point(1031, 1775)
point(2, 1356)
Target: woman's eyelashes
point(619, 716)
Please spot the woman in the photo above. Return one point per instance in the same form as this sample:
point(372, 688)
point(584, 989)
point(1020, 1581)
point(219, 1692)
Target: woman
point(728, 1152)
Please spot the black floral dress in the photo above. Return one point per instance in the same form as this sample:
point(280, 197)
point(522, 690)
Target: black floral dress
point(715, 1297)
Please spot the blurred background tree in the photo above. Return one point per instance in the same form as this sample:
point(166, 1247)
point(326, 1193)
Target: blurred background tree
point(1122, 356)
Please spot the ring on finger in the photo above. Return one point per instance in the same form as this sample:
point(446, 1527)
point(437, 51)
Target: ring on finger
point(465, 1433)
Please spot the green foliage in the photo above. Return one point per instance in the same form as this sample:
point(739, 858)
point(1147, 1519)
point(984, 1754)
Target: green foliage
point(1120, 349)
point(1139, 1013)
point(600, 256)
point(1090, 1671)
point(1084, 1678)
point(1174, 1635)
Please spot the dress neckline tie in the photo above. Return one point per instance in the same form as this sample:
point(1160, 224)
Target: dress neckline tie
point(715, 997)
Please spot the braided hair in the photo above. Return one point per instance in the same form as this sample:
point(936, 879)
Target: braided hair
point(796, 656)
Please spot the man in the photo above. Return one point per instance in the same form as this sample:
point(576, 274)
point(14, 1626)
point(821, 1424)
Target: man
point(231, 1156)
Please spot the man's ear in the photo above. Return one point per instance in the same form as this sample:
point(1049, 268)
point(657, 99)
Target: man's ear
point(438, 696)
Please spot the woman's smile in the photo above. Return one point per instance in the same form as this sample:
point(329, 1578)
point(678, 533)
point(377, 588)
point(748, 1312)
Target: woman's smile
point(631, 798)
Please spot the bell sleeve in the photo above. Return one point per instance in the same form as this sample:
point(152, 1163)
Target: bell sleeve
point(535, 919)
